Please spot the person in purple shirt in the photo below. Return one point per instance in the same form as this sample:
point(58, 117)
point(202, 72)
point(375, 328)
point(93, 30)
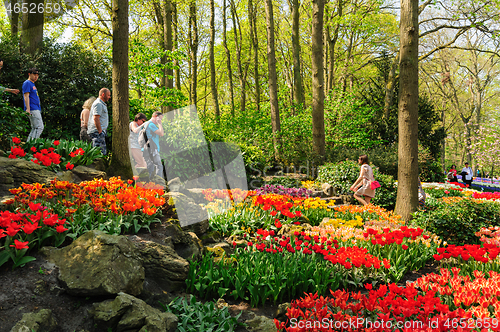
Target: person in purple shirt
point(32, 104)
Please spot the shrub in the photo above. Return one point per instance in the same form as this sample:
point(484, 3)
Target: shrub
point(457, 219)
point(385, 196)
point(284, 181)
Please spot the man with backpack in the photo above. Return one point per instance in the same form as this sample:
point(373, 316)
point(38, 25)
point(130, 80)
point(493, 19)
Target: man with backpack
point(149, 138)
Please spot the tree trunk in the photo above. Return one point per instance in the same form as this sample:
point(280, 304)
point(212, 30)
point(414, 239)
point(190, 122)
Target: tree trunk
point(14, 19)
point(168, 45)
point(238, 40)
point(228, 59)
point(389, 87)
point(177, 73)
point(120, 160)
point(193, 41)
point(32, 28)
point(273, 85)
point(252, 13)
point(407, 198)
point(298, 88)
point(332, 42)
point(212, 61)
point(318, 88)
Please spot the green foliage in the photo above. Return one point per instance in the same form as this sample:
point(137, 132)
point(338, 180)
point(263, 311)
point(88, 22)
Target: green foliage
point(146, 70)
point(285, 181)
point(458, 221)
point(196, 316)
point(261, 277)
point(68, 76)
point(340, 175)
point(386, 195)
point(13, 123)
point(440, 193)
point(348, 121)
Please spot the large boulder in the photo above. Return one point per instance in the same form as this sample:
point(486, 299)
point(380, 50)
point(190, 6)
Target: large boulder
point(186, 244)
point(14, 172)
point(190, 214)
point(88, 174)
point(41, 321)
point(98, 264)
point(127, 313)
point(162, 264)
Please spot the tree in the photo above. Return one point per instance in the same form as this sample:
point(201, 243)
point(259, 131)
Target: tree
point(32, 28)
point(252, 17)
point(298, 88)
point(213, 85)
point(318, 111)
point(120, 160)
point(228, 57)
point(193, 46)
point(273, 86)
point(407, 199)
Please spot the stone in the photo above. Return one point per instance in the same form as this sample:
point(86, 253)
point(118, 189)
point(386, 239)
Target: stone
point(197, 195)
point(211, 237)
point(192, 217)
point(42, 321)
point(228, 249)
point(98, 164)
point(282, 310)
point(347, 199)
point(88, 174)
point(328, 189)
point(162, 264)
point(175, 185)
point(14, 172)
point(127, 313)
point(98, 264)
point(68, 176)
point(261, 324)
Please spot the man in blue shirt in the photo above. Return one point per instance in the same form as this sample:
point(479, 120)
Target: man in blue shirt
point(99, 120)
point(151, 151)
point(32, 104)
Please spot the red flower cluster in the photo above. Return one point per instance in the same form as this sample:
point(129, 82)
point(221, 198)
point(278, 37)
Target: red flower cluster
point(236, 195)
point(461, 185)
point(479, 253)
point(16, 151)
point(345, 256)
point(396, 236)
point(46, 157)
point(487, 195)
point(16, 140)
point(79, 152)
point(345, 311)
point(69, 166)
point(279, 204)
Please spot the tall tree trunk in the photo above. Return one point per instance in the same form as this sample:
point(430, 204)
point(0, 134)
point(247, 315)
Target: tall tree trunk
point(332, 42)
point(168, 46)
point(252, 13)
point(238, 40)
point(273, 85)
point(177, 72)
point(212, 61)
point(32, 28)
point(389, 87)
point(120, 160)
point(407, 199)
point(228, 58)
point(193, 40)
point(318, 88)
point(298, 87)
point(14, 19)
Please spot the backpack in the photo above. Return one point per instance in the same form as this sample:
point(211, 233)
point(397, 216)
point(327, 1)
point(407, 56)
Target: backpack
point(143, 137)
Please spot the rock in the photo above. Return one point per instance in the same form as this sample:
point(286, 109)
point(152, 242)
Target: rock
point(162, 264)
point(98, 164)
point(192, 249)
point(33, 322)
point(282, 310)
point(221, 304)
point(261, 324)
point(4, 202)
point(88, 174)
point(192, 184)
point(228, 249)
point(211, 237)
point(175, 185)
point(68, 176)
point(127, 313)
point(191, 216)
point(197, 195)
point(14, 172)
point(347, 199)
point(98, 264)
point(328, 189)
point(317, 193)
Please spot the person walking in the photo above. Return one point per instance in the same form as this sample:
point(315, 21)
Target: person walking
point(362, 186)
point(99, 120)
point(84, 119)
point(2, 89)
point(467, 175)
point(133, 139)
point(151, 151)
point(32, 104)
